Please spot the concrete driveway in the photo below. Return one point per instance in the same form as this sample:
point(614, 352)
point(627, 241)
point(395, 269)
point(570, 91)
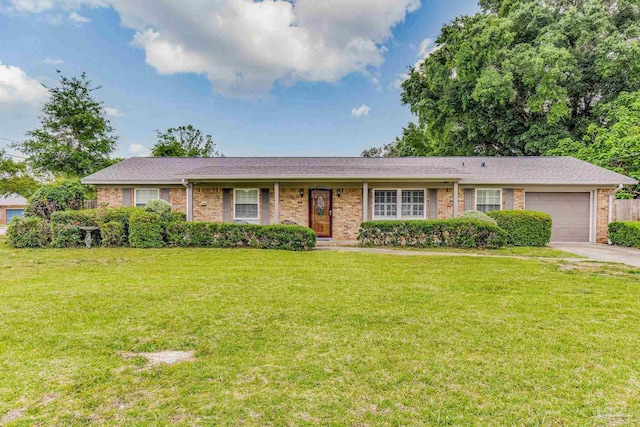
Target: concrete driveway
point(3, 229)
point(602, 253)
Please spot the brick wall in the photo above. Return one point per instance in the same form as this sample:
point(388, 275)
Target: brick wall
point(347, 214)
point(445, 203)
point(293, 207)
point(602, 216)
point(518, 199)
point(178, 199)
point(111, 197)
point(207, 204)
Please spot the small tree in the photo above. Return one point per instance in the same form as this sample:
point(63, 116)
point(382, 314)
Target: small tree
point(65, 195)
point(184, 141)
point(75, 137)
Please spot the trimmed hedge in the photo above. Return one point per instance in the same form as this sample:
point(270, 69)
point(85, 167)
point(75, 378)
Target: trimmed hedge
point(452, 233)
point(65, 227)
point(524, 228)
point(625, 233)
point(145, 230)
point(112, 234)
point(216, 235)
point(28, 232)
point(480, 216)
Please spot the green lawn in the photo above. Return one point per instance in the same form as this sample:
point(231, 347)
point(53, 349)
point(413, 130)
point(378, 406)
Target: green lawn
point(323, 337)
point(529, 252)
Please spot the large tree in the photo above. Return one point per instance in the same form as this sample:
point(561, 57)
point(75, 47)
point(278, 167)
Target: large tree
point(184, 141)
point(75, 137)
point(521, 76)
point(15, 177)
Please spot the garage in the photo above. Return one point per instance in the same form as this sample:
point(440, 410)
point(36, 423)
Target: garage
point(569, 211)
point(13, 213)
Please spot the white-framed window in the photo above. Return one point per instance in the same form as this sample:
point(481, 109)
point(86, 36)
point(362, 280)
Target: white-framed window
point(385, 204)
point(399, 204)
point(488, 199)
point(413, 204)
point(143, 195)
point(245, 204)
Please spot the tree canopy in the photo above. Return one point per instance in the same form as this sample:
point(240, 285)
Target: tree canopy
point(15, 177)
point(75, 138)
point(184, 141)
point(529, 77)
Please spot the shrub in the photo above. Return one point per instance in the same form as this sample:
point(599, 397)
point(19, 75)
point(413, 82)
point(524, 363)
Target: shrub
point(159, 207)
point(112, 234)
point(28, 232)
point(65, 195)
point(453, 233)
point(145, 230)
point(524, 228)
point(480, 216)
point(65, 227)
point(625, 233)
point(119, 215)
point(215, 235)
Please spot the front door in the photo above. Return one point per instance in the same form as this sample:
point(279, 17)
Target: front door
point(320, 212)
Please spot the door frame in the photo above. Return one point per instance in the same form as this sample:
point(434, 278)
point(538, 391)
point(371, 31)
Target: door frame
point(310, 209)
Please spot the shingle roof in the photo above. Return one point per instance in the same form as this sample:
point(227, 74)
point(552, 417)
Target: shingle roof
point(476, 170)
point(13, 199)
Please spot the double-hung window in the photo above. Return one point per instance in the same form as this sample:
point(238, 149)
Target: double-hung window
point(399, 204)
point(488, 199)
point(246, 204)
point(385, 204)
point(413, 204)
point(143, 195)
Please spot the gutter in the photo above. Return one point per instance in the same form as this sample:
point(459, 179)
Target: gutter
point(611, 197)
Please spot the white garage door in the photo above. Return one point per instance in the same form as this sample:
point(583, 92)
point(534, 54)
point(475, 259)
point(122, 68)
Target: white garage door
point(569, 211)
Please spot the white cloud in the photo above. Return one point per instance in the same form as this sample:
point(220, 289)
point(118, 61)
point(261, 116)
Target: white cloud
point(113, 112)
point(78, 19)
point(16, 87)
point(243, 46)
point(52, 61)
point(138, 149)
point(362, 110)
point(401, 78)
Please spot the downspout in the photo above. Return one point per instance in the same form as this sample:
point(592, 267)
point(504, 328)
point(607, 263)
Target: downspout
point(611, 198)
point(189, 199)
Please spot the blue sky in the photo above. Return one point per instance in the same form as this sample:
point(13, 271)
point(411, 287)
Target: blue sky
point(268, 78)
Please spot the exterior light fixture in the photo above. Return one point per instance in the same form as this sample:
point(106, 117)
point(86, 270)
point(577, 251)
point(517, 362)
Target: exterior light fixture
point(302, 192)
point(340, 190)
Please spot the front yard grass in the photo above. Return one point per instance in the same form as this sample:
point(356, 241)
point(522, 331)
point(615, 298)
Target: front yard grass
point(315, 338)
point(516, 251)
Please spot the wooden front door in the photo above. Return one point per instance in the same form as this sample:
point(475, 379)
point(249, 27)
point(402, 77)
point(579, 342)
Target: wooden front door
point(320, 212)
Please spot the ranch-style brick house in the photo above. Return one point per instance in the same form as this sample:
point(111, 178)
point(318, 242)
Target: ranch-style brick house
point(334, 196)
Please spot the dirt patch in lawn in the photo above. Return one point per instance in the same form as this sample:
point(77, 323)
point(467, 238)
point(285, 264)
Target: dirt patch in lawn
point(167, 357)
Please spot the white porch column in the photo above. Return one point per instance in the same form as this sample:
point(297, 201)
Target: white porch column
point(189, 202)
point(455, 199)
point(365, 201)
point(276, 207)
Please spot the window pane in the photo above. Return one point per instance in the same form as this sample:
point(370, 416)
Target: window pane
point(385, 203)
point(488, 200)
point(143, 196)
point(246, 204)
point(413, 204)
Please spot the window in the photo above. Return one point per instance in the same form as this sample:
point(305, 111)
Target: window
point(143, 195)
point(488, 200)
point(246, 204)
point(385, 204)
point(399, 204)
point(413, 204)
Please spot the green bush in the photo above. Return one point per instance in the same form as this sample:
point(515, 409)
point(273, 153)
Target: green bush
point(625, 233)
point(112, 234)
point(480, 216)
point(28, 232)
point(215, 235)
point(158, 206)
point(452, 233)
point(524, 228)
point(65, 227)
point(145, 230)
point(65, 195)
point(119, 215)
